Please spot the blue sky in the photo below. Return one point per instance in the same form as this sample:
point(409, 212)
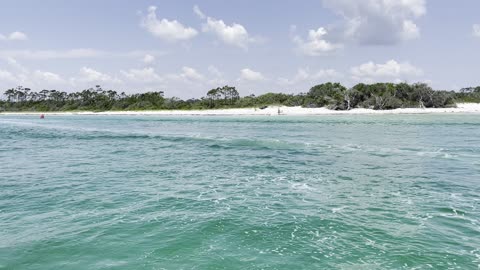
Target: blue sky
point(187, 47)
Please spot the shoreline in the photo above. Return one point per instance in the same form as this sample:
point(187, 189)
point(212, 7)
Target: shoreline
point(469, 108)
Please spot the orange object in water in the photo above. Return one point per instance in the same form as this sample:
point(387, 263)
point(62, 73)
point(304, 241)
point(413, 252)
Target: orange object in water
point(42, 116)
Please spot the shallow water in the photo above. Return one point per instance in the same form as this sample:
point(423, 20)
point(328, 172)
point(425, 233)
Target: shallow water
point(324, 192)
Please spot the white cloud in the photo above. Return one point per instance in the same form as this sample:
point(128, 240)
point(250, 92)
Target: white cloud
point(48, 77)
point(234, 34)
point(410, 30)
point(379, 22)
point(187, 82)
point(14, 36)
point(73, 54)
point(148, 59)
point(191, 74)
point(187, 75)
point(51, 54)
point(17, 36)
point(8, 76)
point(16, 65)
point(91, 75)
point(391, 70)
point(316, 44)
point(20, 75)
point(476, 30)
point(217, 77)
point(215, 71)
point(199, 13)
point(148, 75)
point(247, 74)
point(326, 74)
point(304, 75)
point(164, 29)
point(142, 75)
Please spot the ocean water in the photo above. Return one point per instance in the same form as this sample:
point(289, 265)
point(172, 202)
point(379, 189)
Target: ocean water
point(318, 192)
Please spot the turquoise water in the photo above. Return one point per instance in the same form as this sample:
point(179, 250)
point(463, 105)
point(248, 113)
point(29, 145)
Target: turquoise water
point(325, 192)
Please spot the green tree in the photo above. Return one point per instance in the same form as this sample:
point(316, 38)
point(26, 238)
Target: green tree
point(329, 94)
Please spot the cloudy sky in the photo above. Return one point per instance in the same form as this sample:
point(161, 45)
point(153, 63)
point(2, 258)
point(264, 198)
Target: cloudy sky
point(188, 47)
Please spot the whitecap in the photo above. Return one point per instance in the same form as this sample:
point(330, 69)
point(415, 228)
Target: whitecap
point(339, 209)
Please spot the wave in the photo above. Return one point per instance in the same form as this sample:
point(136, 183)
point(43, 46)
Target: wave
point(35, 131)
point(18, 128)
point(39, 131)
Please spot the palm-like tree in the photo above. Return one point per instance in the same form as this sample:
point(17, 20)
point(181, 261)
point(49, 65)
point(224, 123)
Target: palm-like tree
point(10, 94)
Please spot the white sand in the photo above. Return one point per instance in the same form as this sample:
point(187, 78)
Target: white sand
point(273, 110)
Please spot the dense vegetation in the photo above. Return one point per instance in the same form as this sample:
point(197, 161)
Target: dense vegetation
point(379, 96)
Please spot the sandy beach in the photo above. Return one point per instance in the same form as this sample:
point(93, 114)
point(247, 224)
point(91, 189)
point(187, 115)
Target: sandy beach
point(272, 111)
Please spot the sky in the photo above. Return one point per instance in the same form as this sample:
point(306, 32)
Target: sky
point(187, 47)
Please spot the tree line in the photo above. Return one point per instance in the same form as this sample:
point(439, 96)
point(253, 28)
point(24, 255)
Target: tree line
point(378, 96)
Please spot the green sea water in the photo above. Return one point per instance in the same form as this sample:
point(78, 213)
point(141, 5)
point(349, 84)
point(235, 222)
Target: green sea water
point(318, 192)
